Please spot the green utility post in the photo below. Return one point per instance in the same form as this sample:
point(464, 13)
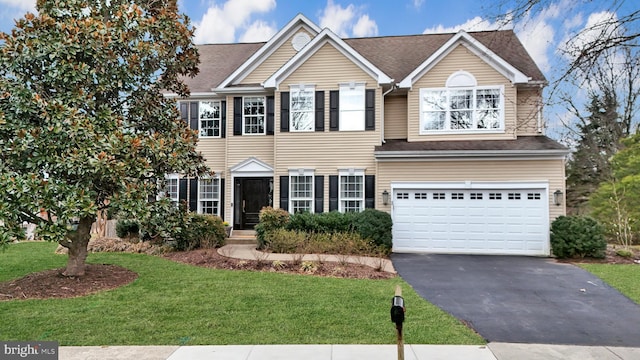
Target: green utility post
point(397, 317)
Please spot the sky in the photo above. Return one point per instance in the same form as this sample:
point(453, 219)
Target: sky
point(225, 21)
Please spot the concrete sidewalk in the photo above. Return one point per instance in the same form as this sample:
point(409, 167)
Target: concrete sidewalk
point(494, 351)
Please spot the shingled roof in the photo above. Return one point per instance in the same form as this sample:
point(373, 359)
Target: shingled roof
point(521, 145)
point(396, 56)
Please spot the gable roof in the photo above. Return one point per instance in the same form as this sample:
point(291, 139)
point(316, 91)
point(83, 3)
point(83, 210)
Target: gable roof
point(397, 57)
point(327, 36)
point(298, 22)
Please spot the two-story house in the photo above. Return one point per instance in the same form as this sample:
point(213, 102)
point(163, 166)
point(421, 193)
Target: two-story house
point(443, 131)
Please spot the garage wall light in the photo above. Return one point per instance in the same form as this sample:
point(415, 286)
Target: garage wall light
point(385, 197)
point(557, 197)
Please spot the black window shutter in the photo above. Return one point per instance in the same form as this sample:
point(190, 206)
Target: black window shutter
point(319, 110)
point(284, 193)
point(184, 112)
point(333, 192)
point(370, 110)
point(193, 195)
point(193, 115)
point(334, 110)
point(284, 111)
point(237, 116)
point(370, 191)
point(221, 202)
point(319, 194)
point(223, 119)
point(182, 190)
point(270, 115)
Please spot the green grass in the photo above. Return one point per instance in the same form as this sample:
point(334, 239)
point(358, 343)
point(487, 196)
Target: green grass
point(625, 278)
point(173, 303)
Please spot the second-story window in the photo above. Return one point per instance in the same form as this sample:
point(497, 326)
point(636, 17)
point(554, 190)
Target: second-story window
point(352, 107)
point(209, 115)
point(302, 108)
point(253, 115)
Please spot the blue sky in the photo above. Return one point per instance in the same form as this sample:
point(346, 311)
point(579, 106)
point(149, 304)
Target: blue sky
point(220, 21)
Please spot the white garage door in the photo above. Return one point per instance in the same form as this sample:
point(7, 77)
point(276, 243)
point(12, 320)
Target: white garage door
point(511, 221)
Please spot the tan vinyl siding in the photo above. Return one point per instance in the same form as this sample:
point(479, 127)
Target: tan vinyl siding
point(214, 153)
point(273, 62)
point(327, 151)
point(529, 101)
point(489, 170)
point(461, 59)
point(395, 117)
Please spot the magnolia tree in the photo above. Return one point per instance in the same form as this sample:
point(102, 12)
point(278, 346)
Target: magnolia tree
point(83, 122)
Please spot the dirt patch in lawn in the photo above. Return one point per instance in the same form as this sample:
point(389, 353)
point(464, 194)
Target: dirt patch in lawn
point(51, 284)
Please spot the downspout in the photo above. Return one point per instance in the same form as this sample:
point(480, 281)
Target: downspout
point(393, 87)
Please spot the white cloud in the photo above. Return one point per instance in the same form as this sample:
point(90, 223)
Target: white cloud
point(258, 31)
point(418, 3)
point(347, 21)
point(365, 27)
point(24, 5)
point(220, 23)
point(475, 24)
point(599, 25)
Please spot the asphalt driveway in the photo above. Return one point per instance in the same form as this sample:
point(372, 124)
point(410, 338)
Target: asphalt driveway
point(523, 299)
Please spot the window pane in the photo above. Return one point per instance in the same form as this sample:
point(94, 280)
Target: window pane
point(209, 196)
point(301, 190)
point(254, 115)
point(434, 100)
point(209, 114)
point(352, 108)
point(434, 120)
point(461, 119)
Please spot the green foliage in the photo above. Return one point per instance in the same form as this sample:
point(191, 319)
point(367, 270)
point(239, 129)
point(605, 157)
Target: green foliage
point(285, 241)
point(616, 203)
point(84, 124)
point(624, 253)
point(127, 228)
point(270, 220)
point(374, 225)
point(202, 231)
point(577, 236)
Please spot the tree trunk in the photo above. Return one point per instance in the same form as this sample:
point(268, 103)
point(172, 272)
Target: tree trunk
point(78, 247)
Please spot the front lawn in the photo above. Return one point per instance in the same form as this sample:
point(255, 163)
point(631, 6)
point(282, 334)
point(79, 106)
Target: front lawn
point(172, 303)
point(625, 278)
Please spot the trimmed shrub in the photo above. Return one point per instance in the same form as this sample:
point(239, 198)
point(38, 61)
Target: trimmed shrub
point(374, 225)
point(285, 241)
point(577, 236)
point(270, 220)
point(127, 229)
point(204, 231)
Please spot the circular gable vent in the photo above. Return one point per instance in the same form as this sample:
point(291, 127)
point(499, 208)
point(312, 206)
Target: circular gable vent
point(300, 40)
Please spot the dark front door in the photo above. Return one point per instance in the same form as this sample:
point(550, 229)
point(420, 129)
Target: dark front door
point(252, 194)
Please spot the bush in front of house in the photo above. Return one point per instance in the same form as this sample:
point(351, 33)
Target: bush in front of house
point(270, 219)
point(202, 231)
point(577, 237)
point(127, 229)
point(374, 225)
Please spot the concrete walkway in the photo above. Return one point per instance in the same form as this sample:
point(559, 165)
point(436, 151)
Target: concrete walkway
point(249, 252)
point(494, 351)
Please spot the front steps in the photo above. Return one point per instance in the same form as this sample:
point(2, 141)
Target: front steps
point(242, 237)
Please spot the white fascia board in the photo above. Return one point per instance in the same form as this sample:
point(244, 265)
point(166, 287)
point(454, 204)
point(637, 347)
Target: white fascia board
point(326, 36)
point(241, 90)
point(471, 185)
point(464, 155)
point(272, 45)
point(513, 74)
point(191, 95)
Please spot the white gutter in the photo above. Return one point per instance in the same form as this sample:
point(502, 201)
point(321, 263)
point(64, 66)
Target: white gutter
point(427, 154)
point(393, 87)
point(243, 90)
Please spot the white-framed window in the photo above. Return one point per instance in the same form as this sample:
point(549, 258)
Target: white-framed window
point(352, 107)
point(351, 191)
point(302, 100)
point(461, 109)
point(301, 188)
point(209, 196)
point(172, 188)
point(253, 115)
point(209, 118)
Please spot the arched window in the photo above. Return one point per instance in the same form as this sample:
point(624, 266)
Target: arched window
point(462, 106)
